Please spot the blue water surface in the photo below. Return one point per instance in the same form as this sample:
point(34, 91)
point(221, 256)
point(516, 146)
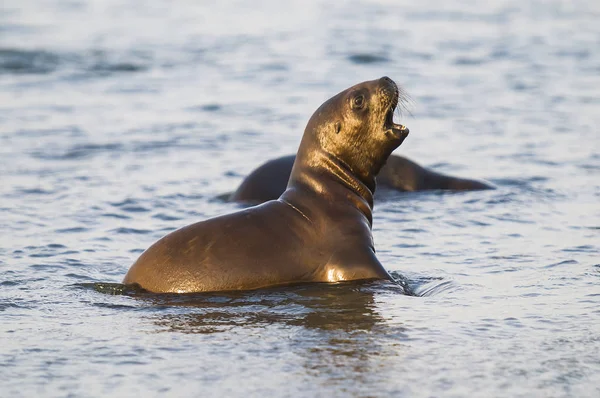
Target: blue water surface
point(123, 120)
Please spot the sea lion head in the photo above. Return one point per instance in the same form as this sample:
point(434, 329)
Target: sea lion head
point(356, 127)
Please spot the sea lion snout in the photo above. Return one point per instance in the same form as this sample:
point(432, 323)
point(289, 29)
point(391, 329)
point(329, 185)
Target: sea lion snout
point(387, 80)
point(390, 91)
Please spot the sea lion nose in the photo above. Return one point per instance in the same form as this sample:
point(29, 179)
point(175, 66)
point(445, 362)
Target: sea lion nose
point(387, 82)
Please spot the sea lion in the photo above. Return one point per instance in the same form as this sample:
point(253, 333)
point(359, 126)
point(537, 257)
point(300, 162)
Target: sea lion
point(319, 230)
point(268, 181)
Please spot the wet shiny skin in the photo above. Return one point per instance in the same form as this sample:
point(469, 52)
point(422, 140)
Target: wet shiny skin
point(320, 228)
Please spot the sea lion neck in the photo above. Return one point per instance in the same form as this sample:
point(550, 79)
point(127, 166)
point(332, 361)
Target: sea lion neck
point(331, 178)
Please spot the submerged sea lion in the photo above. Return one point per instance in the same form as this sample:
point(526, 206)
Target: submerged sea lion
point(268, 181)
point(319, 230)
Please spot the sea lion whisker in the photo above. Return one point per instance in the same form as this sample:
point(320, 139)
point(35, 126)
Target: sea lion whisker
point(405, 102)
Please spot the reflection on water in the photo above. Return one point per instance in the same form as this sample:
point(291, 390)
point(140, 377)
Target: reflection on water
point(347, 307)
point(338, 307)
point(335, 329)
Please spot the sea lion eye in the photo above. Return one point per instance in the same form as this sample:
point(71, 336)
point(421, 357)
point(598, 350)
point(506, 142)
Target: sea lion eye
point(358, 101)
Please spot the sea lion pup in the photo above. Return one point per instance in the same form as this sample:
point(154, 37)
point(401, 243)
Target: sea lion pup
point(269, 180)
point(319, 230)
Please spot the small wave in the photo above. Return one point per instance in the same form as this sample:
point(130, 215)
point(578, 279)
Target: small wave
point(42, 255)
point(47, 267)
point(566, 262)
point(581, 249)
point(166, 217)
point(150, 146)
point(509, 217)
point(365, 58)
point(125, 202)
point(87, 150)
point(104, 67)
point(27, 61)
point(90, 63)
point(11, 283)
point(408, 245)
point(206, 108)
point(135, 209)
point(425, 286)
point(274, 66)
point(77, 276)
point(71, 230)
point(4, 305)
point(414, 230)
point(403, 282)
point(77, 152)
point(468, 61)
point(113, 289)
point(50, 250)
point(573, 53)
point(524, 182)
point(277, 294)
point(130, 231)
point(114, 306)
point(181, 196)
point(34, 191)
point(115, 215)
point(434, 288)
point(589, 167)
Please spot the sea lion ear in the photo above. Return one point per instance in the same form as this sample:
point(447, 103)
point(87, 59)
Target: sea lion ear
point(337, 127)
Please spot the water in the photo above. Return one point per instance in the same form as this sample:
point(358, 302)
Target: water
point(120, 122)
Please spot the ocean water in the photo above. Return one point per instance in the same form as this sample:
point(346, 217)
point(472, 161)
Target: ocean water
point(123, 120)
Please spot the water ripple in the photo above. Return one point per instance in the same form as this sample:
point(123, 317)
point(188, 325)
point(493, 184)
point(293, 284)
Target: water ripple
point(127, 231)
point(365, 59)
point(94, 63)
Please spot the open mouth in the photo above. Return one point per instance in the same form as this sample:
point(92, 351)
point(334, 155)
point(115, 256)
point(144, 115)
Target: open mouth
point(390, 128)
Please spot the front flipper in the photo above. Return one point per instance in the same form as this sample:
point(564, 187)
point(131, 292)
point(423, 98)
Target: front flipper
point(354, 265)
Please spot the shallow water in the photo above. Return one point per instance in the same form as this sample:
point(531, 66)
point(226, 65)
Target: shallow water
point(121, 122)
